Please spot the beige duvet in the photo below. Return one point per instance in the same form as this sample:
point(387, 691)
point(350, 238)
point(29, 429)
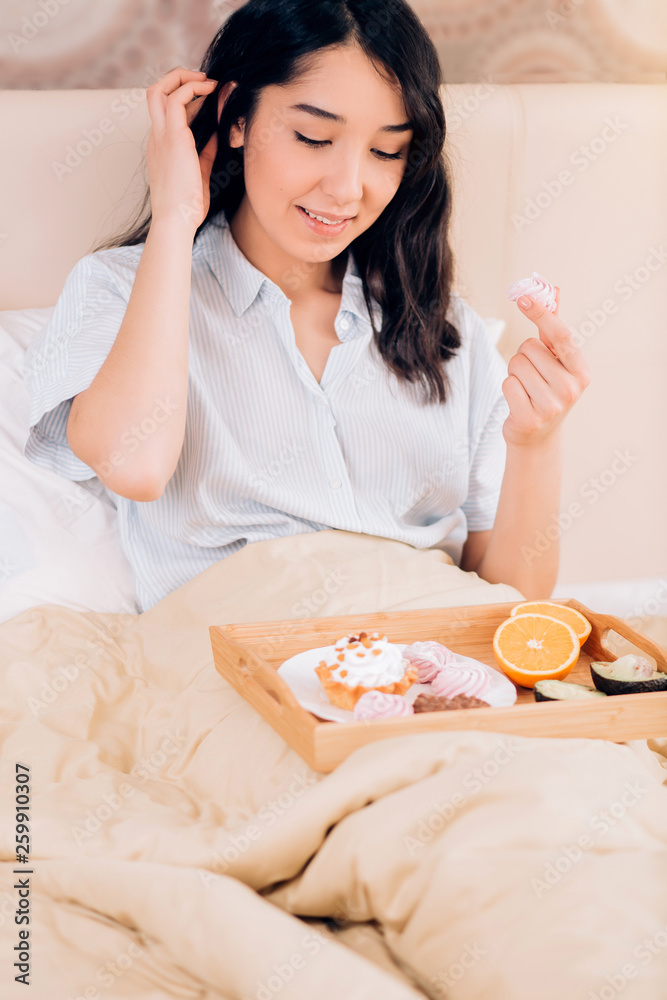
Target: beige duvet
point(180, 849)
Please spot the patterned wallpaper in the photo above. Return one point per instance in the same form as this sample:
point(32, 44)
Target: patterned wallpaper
point(51, 44)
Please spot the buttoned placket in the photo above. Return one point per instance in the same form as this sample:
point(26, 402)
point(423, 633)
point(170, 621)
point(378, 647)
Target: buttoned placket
point(331, 455)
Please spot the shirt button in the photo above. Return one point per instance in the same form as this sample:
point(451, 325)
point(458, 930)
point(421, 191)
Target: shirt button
point(335, 484)
point(344, 324)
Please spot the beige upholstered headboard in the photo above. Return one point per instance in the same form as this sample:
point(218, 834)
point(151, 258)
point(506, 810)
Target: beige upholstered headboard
point(566, 179)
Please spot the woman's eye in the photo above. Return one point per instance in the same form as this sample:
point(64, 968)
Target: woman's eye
point(388, 156)
point(324, 142)
point(310, 142)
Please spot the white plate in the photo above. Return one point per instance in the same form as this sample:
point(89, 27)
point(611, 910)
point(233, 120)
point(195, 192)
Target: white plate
point(299, 673)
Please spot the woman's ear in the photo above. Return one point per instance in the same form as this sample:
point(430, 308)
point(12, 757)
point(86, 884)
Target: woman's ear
point(236, 132)
point(225, 91)
point(237, 135)
point(193, 106)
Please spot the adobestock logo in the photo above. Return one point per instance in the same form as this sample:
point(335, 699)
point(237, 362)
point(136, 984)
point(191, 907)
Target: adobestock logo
point(581, 158)
point(625, 288)
point(136, 435)
point(592, 489)
point(31, 26)
point(121, 108)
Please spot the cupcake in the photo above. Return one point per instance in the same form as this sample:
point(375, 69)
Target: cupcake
point(361, 663)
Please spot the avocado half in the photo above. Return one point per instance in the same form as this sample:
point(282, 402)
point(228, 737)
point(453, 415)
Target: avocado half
point(628, 674)
point(564, 691)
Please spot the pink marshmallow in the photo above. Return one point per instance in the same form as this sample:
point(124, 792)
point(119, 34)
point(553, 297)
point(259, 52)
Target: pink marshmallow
point(537, 287)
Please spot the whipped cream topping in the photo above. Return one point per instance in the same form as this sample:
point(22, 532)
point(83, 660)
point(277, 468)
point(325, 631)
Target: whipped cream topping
point(429, 657)
point(367, 658)
point(462, 678)
point(378, 705)
point(537, 287)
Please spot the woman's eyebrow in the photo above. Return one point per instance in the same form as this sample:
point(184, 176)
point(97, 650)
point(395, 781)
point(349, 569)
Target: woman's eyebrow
point(330, 116)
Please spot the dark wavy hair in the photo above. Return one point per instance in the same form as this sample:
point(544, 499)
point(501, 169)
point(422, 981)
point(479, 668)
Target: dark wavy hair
point(404, 257)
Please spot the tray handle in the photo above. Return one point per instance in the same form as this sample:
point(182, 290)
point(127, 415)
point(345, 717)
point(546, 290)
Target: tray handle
point(602, 625)
point(250, 675)
point(266, 684)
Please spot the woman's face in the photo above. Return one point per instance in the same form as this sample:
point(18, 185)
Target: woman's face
point(353, 172)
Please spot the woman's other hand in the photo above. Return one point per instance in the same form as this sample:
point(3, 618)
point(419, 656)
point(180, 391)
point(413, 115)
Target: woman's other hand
point(545, 377)
point(179, 178)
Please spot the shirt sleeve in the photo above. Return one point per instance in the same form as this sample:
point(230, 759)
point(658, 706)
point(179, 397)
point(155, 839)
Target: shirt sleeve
point(488, 410)
point(66, 356)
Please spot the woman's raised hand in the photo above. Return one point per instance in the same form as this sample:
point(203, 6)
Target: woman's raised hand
point(545, 378)
point(178, 177)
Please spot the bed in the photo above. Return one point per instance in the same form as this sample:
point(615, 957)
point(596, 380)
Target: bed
point(178, 847)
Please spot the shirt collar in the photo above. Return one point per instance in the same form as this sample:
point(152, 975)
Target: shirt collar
point(241, 281)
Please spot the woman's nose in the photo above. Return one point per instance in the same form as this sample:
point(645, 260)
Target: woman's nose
point(343, 183)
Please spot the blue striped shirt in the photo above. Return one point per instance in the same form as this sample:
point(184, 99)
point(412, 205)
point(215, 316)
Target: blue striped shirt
point(268, 451)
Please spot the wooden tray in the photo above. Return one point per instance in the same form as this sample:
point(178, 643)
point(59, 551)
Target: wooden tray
point(248, 656)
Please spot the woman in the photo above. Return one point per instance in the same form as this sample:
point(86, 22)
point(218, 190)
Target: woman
point(276, 349)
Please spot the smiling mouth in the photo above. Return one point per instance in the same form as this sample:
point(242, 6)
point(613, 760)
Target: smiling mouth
point(329, 220)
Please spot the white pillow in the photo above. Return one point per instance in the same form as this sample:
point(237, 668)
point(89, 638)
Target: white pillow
point(59, 540)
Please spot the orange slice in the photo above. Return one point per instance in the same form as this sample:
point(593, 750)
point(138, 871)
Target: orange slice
point(581, 625)
point(531, 648)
